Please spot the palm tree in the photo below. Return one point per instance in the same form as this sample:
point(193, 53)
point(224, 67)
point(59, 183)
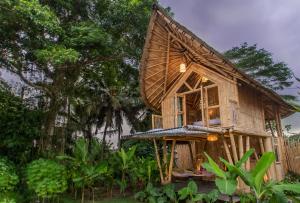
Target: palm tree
point(106, 97)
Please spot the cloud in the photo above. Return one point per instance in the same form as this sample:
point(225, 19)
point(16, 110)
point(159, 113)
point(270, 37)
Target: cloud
point(272, 24)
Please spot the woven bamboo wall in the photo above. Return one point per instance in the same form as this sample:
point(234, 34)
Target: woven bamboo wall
point(293, 156)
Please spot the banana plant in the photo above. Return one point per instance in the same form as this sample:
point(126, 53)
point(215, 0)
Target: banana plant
point(83, 165)
point(126, 161)
point(226, 181)
point(271, 191)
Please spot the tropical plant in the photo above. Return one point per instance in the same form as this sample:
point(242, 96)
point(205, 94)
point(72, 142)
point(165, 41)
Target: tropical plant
point(212, 196)
point(7, 200)
point(190, 193)
point(19, 127)
point(85, 165)
point(226, 181)
point(153, 194)
point(8, 176)
point(144, 148)
point(247, 198)
point(254, 178)
point(46, 177)
point(125, 161)
point(145, 170)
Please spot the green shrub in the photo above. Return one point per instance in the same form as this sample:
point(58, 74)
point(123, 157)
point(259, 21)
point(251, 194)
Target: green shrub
point(8, 176)
point(7, 200)
point(46, 177)
point(190, 194)
point(157, 194)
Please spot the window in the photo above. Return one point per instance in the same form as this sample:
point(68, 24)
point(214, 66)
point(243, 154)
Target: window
point(197, 102)
point(180, 111)
point(212, 96)
point(213, 108)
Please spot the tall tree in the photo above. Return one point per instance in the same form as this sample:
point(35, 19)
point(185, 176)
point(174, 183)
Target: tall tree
point(51, 44)
point(259, 64)
point(20, 127)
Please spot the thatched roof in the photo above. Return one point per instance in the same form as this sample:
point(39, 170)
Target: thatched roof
point(167, 39)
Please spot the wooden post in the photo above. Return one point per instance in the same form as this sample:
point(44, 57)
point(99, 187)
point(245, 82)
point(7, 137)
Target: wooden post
point(247, 149)
point(262, 149)
point(227, 150)
point(241, 153)
point(158, 162)
point(165, 157)
point(255, 155)
point(171, 161)
point(233, 146)
point(191, 153)
point(268, 145)
point(241, 146)
point(278, 121)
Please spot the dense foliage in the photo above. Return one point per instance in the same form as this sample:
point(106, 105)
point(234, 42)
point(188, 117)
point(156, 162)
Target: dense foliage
point(19, 127)
point(259, 64)
point(81, 56)
point(270, 191)
point(46, 177)
point(78, 61)
point(8, 176)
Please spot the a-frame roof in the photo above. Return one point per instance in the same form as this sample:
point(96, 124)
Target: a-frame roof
point(168, 44)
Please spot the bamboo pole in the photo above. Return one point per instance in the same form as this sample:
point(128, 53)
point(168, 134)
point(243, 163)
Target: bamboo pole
point(158, 162)
point(241, 153)
point(261, 144)
point(233, 147)
point(171, 161)
point(227, 150)
point(256, 157)
point(204, 129)
point(247, 149)
point(165, 157)
point(241, 146)
point(268, 148)
point(191, 154)
point(167, 64)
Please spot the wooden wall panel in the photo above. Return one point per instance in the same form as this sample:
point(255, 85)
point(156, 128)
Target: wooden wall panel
point(250, 116)
point(168, 112)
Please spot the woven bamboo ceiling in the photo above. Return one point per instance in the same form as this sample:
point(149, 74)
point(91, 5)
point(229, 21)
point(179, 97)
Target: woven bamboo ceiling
point(168, 44)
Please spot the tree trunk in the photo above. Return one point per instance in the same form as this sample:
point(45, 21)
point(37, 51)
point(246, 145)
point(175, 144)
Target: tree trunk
point(119, 139)
point(82, 195)
point(104, 142)
point(50, 123)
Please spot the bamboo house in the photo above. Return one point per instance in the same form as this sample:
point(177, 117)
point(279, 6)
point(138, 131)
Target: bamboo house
point(203, 103)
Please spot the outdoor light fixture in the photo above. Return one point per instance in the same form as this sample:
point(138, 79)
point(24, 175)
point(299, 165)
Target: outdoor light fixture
point(182, 68)
point(204, 79)
point(212, 138)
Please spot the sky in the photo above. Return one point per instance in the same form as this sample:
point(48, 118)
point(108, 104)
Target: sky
point(271, 24)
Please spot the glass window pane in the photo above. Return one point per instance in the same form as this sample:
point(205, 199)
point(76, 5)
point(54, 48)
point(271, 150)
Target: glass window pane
point(214, 116)
point(179, 120)
point(212, 96)
point(179, 103)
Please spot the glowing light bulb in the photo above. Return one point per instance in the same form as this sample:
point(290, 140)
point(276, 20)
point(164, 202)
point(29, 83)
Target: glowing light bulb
point(182, 68)
point(204, 79)
point(212, 138)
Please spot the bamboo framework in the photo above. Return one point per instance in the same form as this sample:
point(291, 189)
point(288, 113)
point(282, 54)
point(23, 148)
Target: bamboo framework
point(165, 177)
point(167, 45)
point(209, 97)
